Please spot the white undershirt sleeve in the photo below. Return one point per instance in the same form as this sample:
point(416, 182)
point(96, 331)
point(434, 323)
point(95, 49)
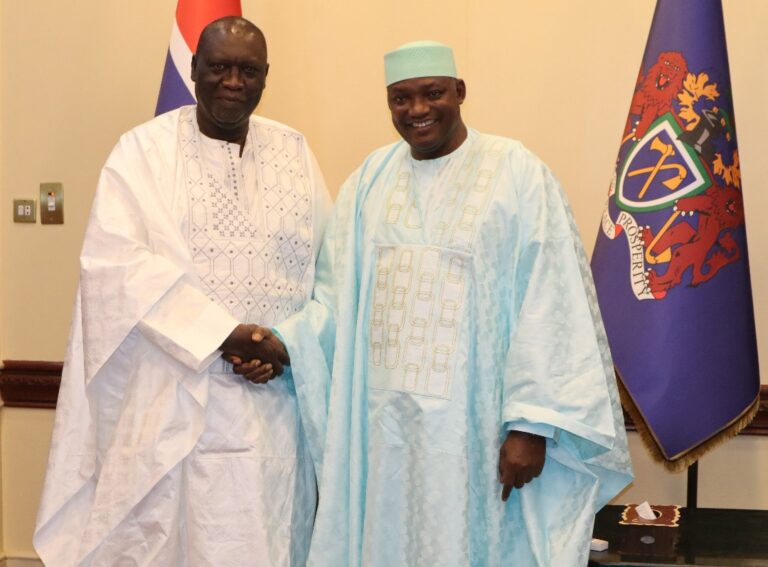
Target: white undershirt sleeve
point(188, 326)
point(540, 429)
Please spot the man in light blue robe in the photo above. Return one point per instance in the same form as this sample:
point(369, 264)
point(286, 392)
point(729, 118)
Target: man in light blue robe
point(454, 351)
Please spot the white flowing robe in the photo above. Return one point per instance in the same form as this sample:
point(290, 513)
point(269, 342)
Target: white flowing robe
point(453, 302)
point(160, 456)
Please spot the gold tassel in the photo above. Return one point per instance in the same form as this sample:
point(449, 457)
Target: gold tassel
point(682, 461)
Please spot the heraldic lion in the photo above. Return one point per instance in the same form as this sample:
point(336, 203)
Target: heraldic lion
point(706, 248)
point(654, 92)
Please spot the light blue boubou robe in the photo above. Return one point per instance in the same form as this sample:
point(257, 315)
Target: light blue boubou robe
point(445, 315)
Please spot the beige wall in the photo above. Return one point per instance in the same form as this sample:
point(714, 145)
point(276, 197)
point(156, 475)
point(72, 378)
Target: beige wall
point(2, 318)
point(25, 434)
point(556, 74)
point(73, 80)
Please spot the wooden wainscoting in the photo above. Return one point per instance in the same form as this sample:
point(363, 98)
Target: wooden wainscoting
point(30, 383)
point(35, 384)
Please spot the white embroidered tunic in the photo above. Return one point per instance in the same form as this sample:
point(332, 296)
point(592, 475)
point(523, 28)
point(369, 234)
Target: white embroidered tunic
point(160, 455)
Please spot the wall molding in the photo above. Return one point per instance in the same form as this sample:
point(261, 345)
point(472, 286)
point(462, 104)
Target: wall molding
point(30, 383)
point(35, 384)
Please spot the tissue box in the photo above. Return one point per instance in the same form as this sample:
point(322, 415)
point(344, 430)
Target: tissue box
point(655, 538)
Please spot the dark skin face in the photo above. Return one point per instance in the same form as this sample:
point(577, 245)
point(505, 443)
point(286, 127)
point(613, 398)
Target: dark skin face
point(230, 71)
point(426, 113)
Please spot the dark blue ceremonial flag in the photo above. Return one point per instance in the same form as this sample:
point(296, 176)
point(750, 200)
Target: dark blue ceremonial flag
point(670, 262)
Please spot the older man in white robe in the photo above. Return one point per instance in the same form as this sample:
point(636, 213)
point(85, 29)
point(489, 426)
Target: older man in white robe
point(206, 222)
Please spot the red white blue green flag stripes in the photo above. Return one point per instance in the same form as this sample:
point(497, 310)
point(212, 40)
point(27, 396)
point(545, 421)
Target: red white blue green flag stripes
point(176, 88)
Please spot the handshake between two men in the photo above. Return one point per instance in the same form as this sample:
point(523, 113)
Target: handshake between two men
point(255, 353)
point(259, 356)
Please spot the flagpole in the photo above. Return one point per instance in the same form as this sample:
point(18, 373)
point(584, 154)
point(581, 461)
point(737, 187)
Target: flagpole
point(693, 485)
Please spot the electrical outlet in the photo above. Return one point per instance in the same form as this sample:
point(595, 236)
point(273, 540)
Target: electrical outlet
point(24, 210)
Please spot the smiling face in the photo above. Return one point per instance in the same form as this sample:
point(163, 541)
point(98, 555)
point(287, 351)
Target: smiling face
point(426, 113)
point(229, 71)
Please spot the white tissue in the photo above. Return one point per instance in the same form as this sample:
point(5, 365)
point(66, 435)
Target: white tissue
point(645, 511)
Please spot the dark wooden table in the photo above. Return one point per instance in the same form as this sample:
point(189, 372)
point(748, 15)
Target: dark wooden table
point(705, 536)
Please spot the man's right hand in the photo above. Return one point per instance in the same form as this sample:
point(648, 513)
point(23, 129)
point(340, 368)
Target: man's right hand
point(256, 353)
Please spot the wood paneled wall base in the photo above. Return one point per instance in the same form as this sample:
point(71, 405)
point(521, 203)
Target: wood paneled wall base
point(33, 384)
point(30, 383)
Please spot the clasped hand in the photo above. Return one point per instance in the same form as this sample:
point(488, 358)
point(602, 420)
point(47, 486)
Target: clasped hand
point(255, 353)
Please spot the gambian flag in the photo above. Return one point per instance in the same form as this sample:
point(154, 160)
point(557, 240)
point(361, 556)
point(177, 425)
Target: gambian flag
point(176, 88)
point(670, 262)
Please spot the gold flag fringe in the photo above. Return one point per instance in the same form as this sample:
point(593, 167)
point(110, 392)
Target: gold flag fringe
point(681, 462)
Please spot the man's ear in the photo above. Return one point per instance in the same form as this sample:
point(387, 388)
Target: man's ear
point(193, 73)
point(461, 90)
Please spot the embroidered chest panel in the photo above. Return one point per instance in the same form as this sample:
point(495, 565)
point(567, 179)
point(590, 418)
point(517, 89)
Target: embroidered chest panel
point(258, 266)
point(416, 313)
point(423, 273)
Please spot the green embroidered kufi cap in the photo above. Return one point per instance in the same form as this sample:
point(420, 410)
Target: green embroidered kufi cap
point(419, 59)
